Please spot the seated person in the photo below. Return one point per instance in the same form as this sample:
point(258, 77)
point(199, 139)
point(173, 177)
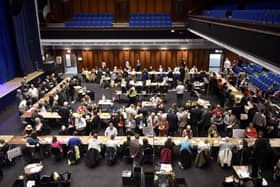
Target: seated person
point(57, 144)
point(250, 131)
point(156, 99)
point(204, 145)
point(213, 132)
point(94, 143)
point(169, 144)
point(185, 145)
point(112, 143)
point(4, 147)
point(225, 152)
point(111, 130)
point(74, 141)
point(80, 124)
point(28, 131)
point(147, 151)
point(33, 141)
point(39, 126)
point(187, 132)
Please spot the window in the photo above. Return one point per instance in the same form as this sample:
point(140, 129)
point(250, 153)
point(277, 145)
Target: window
point(215, 62)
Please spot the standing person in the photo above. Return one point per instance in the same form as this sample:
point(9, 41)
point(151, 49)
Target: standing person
point(163, 126)
point(172, 121)
point(259, 121)
point(138, 65)
point(227, 65)
point(153, 121)
point(182, 115)
point(132, 95)
point(136, 150)
point(180, 93)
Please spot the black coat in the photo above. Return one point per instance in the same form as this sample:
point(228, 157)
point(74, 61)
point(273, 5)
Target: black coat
point(172, 121)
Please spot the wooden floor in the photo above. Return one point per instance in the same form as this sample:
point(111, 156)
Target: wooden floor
point(14, 84)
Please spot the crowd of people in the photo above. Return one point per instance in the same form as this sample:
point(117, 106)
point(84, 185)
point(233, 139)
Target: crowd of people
point(253, 114)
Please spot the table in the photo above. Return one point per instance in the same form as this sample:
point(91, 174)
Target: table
point(6, 138)
point(33, 168)
point(148, 104)
point(104, 115)
point(50, 115)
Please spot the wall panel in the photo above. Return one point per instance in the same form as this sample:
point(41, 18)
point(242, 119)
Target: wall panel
point(85, 6)
point(151, 6)
point(133, 6)
point(159, 6)
point(110, 6)
point(141, 6)
point(101, 6)
point(166, 6)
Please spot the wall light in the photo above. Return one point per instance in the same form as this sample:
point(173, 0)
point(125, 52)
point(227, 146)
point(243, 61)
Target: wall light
point(68, 51)
point(163, 48)
point(80, 58)
point(126, 48)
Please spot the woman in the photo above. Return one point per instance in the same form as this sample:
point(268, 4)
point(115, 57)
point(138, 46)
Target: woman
point(57, 144)
point(187, 132)
point(27, 131)
point(163, 126)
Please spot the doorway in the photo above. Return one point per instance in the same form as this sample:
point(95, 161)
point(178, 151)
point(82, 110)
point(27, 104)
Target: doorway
point(215, 61)
point(70, 64)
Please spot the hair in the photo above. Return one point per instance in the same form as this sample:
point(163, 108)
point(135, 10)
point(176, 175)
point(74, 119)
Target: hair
point(128, 137)
point(54, 139)
point(137, 136)
point(145, 141)
point(2, 141)
point(112, 137)
point(95, 136)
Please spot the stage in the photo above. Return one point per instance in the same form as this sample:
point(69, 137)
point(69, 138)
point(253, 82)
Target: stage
point(8, 89)
point(15, 83)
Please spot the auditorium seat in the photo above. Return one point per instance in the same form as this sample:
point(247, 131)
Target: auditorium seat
point(150, 20)
point(91, 20)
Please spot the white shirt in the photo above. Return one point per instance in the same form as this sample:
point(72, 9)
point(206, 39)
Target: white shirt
point(80, 124)
point(227, 64)
point(33, 92)
point(22, 106)
point(112, 143)
point(94, 144)
point(180, 89)
point(109, 131)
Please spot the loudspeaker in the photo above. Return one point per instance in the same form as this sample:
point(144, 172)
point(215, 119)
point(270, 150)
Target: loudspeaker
point(15, 7)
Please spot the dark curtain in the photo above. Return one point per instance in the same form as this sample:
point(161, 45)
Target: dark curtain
point(8, 59)
point(27, 37)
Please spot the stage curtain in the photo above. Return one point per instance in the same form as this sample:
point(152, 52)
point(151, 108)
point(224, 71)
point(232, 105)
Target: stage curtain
point(8, 59)
point(27, 37)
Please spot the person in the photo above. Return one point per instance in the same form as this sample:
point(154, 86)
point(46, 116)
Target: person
point(153, 121)
point(194, 69)
point(4, 147)
point(250, 131)
point(33, 144)
point(113, 143)
point(111, 130)
point(138, 65)
point(130, 125)
point(172, 121)
point(57, 144)
point(204, 145)
point(132, 95)
point(80, 124)
point(74, 141)
point(185, 145)
point(187, 132)
point(136, 150)
point(230, 122)
point(39, 127)
point(227, 65)
point(213, 132)
point(94, 143)
point(156, 99)
point(225, 152)
point(64, 112)
point(180, 89)
point(163, 126)
point(259, 121)
point(28, 131)
point(33, 92)
point(103, 64)
point(182, 115)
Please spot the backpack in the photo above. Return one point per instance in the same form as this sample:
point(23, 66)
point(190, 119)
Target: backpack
point(71, 157)
point(165, 156)
point(110, 156)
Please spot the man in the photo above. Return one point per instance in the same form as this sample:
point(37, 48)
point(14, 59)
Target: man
point(80, 124)
point(135, 150)
point(173, 122)
point(132, 95)
point(153, 121)
point(227, 65)
point(156, 99)
point(64, 112)
point(33, 93)
point(111, 130)
point(230, 122)
point(113, 143)
point(259, 120)
point(94, 143)
point(250, 131)
point(130, 125)
point(180, 93)
point(182, 115)
point(138, 65)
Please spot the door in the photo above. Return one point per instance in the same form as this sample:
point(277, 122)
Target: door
point(215, 62)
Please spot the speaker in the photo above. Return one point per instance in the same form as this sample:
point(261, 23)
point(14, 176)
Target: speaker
point(15, 7)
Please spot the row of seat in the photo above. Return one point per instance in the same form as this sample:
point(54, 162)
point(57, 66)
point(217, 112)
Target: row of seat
point(267, 16)
point(150, 20)
point(258, 83)
point(249, 5)
point(91, 20)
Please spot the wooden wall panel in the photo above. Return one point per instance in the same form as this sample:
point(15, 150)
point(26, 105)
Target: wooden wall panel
point(101, 6)
point(166, 6)
point(110, 6)
point(133, 6)
point(159, 6)
point(141, 6)
point(76, 6)
point(151, 6)
point(95, 6)
point(154, 58)
point(85, 6)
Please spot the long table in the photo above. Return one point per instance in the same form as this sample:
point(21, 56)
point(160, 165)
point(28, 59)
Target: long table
point(52, 115)
point(215, 142)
